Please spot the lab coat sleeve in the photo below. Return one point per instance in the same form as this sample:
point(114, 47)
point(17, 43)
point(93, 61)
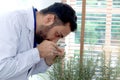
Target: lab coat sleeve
point(40, 67)
point(13, 63)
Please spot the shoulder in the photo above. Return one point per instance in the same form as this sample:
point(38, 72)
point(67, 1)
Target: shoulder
point(17, 14)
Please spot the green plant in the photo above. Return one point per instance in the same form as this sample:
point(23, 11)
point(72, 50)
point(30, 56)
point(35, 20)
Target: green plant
point(72, 69)
point(92, 68)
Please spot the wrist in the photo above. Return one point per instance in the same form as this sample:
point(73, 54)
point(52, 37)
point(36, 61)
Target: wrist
point(47, 62)
point(39, 52)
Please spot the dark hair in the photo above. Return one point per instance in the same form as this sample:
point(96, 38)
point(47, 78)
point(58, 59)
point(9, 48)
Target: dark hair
point(64, 12)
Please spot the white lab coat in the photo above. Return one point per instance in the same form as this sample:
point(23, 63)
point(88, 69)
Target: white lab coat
point(17, 54)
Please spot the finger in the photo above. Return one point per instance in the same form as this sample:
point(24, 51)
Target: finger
point(55, 52)
point(59, 53)
point(57, 48)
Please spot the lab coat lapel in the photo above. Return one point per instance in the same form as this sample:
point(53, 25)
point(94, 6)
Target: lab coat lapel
point(31, 38)
point(30, 26)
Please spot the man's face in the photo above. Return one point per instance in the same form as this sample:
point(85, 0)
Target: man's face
point(52, 32)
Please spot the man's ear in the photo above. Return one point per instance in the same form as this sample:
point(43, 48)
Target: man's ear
point(49, 19)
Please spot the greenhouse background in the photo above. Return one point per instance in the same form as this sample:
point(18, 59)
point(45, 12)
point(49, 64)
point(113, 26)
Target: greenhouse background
point(102, 27)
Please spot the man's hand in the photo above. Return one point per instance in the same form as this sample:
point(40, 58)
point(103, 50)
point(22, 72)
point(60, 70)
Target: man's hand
point(49, 51)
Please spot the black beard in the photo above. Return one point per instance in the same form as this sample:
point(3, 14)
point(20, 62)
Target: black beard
point(39, 39)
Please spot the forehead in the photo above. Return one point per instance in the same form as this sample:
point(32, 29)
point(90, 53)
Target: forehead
point(65, 30)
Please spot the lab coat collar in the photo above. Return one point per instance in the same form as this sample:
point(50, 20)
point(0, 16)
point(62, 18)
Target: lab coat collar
point(30, 26)
point(30, 15)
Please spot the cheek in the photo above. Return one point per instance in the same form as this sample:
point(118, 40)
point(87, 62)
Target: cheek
point(50, 35)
